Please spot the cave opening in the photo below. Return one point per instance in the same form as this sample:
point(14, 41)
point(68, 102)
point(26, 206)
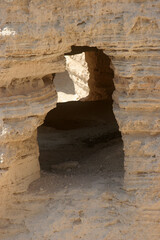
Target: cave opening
point(81, 136)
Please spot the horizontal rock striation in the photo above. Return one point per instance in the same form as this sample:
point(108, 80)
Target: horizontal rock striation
point(23, 106)
point(34, 36)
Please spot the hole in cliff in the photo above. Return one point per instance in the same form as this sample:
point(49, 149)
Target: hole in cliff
point(82, 137)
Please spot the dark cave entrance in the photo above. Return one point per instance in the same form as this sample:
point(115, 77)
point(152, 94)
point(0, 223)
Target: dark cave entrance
point(75, 130)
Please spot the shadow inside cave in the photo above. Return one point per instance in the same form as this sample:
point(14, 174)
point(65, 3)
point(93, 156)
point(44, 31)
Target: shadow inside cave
point(81, 138)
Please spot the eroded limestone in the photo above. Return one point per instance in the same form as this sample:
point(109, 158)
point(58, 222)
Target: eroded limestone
point(34, 36)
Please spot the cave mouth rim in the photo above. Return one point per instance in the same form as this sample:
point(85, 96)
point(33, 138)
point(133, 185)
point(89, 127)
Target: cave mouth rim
point(78, 50)
point(87, 49)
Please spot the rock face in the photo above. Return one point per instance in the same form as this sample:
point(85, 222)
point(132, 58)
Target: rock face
point(73, 83)
point(24, 104)
point(34, 36)
point(77, 68)
point(101, 76)
point(89, 77)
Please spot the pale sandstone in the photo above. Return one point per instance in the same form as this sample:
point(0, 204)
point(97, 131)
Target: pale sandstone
point(34, 36)
point(72, 84)
point(77, 68)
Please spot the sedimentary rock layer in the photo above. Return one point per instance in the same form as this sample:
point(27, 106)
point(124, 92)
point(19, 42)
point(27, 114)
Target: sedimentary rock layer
point(24, 104)
point(35, 35)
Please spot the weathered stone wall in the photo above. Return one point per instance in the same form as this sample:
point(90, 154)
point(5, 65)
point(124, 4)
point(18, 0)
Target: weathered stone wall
point(34, 35)
point(24, 104)
point(90, 76)
point(77, 68)
point(100, 81)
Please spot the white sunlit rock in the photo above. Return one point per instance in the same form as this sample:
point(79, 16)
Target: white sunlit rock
point(7, 32)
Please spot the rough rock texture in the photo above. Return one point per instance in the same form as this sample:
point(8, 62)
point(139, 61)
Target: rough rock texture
point(100, 82)
point(72, 85)
point(77, 68)
point(34, 35)
point(24, 104)
point(91, 75)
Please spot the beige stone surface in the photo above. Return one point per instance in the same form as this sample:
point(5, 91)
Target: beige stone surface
point(77, 68)
point(65, 88)
point(34, 35)
point(72, 85)
point(24, 105)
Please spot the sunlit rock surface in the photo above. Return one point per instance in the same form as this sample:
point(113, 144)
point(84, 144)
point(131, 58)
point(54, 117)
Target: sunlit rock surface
point(34, 36)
